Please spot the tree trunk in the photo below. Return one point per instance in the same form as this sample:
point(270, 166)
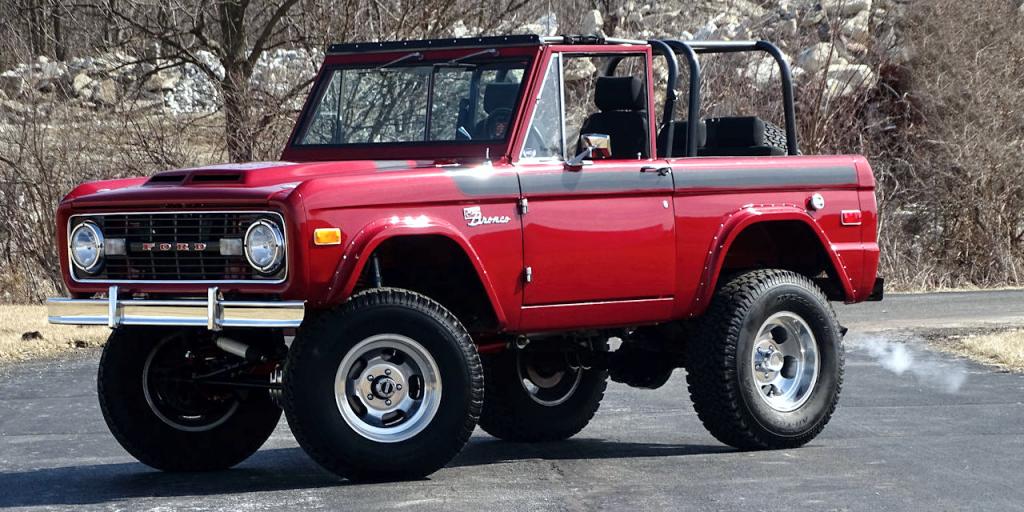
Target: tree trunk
point(36, 28)
point(237, 115)
point(235, 85)
point(60, 49)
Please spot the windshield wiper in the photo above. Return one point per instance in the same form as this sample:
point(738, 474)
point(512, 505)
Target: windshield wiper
point(403, 58)
point(457, 62)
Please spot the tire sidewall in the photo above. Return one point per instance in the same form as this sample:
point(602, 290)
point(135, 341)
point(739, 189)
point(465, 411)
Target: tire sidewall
point(152, 441)
point(818, 406)
point(311, 395)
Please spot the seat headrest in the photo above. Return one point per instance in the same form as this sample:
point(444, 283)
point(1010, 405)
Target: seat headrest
point(499, 95)
point(619, 93)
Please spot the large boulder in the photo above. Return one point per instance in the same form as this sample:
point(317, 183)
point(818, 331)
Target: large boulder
point(592, 23)
point(81, 85)
point(858, 28)
point(12, 83)
point(848, 79)
point(160, 82)
point(846, 8)
point(764, 71)
point(812, 16)
point(818, 57)
point(107, 92)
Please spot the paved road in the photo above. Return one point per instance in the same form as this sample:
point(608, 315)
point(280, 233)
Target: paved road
point(897, 442)
point(930, 310)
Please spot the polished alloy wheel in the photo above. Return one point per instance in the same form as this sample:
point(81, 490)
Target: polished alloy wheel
point(784, 361)
point(388, 388)
point(549, 378)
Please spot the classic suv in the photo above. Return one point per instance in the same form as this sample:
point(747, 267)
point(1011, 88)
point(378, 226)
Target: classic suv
point(456, 232)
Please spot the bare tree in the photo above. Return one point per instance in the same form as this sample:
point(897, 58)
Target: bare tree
point(236, 32)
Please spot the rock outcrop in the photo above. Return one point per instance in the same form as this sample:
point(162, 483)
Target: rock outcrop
point(829, 40)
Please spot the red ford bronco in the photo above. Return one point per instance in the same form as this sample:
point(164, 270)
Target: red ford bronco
point(459, 232)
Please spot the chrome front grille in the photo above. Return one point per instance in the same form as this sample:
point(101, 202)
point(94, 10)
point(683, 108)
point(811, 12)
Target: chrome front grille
point(176, 246)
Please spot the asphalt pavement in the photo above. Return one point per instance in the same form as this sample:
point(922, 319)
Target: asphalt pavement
point(898, 441)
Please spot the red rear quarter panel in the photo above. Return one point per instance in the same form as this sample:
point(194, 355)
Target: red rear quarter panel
point(716, 198)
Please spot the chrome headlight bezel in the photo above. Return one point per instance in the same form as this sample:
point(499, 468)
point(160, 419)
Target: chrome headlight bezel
point(93, 230)
point(273, 261)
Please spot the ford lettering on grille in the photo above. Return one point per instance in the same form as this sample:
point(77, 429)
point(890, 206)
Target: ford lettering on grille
point(177, 246)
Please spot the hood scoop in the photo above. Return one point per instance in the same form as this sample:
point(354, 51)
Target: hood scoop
point(196, 178)
point(166, 179)
point(199, 178)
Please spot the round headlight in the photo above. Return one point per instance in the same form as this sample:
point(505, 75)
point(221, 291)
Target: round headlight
point(264, 246)
point(86, 246)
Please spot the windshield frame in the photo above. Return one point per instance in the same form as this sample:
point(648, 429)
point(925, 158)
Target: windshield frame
point(438, 63)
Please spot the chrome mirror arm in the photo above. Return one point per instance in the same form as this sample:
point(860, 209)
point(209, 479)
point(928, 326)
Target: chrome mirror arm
point(593, 143)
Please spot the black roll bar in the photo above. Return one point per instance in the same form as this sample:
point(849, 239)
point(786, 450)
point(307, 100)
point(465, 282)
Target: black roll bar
point(668, 121)
point(693, 115)
point(690, 50)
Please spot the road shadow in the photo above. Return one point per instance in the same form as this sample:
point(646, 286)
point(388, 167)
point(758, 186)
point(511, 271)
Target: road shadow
point(279, 469)
point(267, 470)
point(484, 451)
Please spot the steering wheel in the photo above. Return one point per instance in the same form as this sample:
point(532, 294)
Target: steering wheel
point(497, 123)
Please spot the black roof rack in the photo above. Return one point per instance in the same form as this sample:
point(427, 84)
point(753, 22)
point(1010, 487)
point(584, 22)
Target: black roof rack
point(429, 44)
point(474, 42)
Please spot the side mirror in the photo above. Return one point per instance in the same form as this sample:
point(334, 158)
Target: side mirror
point(593, 144)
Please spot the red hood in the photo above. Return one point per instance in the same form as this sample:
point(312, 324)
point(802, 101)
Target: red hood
point(224, 184)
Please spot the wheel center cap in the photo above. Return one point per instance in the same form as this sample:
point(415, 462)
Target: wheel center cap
point(775, 362)
point(384, 387)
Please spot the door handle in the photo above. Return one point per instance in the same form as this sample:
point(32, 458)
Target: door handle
point(660, 170)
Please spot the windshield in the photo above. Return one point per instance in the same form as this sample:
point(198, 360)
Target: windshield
point(452, 101)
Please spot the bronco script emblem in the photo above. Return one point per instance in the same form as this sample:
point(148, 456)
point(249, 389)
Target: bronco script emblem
point(475, 217)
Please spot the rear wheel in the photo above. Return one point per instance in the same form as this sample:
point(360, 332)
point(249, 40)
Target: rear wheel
point(766, 368)
point(540, 395)
point(388, 386)
point(165, 419)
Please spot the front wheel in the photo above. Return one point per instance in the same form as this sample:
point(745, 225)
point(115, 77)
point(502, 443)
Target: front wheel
point(386, 387)
point(163, 416)
point(766, 368)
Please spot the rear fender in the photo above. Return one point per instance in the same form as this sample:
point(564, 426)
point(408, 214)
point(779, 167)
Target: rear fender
point(735, 223)
point(361, 247)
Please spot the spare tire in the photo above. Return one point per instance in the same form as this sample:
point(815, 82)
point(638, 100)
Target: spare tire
point(775, 136)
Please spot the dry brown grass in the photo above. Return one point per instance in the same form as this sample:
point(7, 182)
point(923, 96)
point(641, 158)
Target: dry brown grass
point(17, 321)
point(1001, 348)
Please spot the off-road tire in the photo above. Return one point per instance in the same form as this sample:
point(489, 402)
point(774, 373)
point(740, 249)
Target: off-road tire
point(775, 136)
point(510, 413)
point(313, 362)
point(718, 360)
point(157, 444)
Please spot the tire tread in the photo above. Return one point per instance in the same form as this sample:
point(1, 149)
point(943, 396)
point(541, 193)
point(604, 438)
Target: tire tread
point(711, 372)
point(321, 327)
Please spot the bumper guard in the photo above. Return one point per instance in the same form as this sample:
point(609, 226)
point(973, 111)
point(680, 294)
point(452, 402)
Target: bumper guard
point(212, 313)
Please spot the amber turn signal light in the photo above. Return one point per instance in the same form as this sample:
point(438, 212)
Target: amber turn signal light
point(327, 236)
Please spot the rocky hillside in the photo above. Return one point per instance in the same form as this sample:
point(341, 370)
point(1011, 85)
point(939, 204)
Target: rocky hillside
point(834, 39)
point(117, 80)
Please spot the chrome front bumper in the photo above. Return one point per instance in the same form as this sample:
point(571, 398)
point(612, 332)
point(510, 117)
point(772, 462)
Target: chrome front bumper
point(212, 313)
